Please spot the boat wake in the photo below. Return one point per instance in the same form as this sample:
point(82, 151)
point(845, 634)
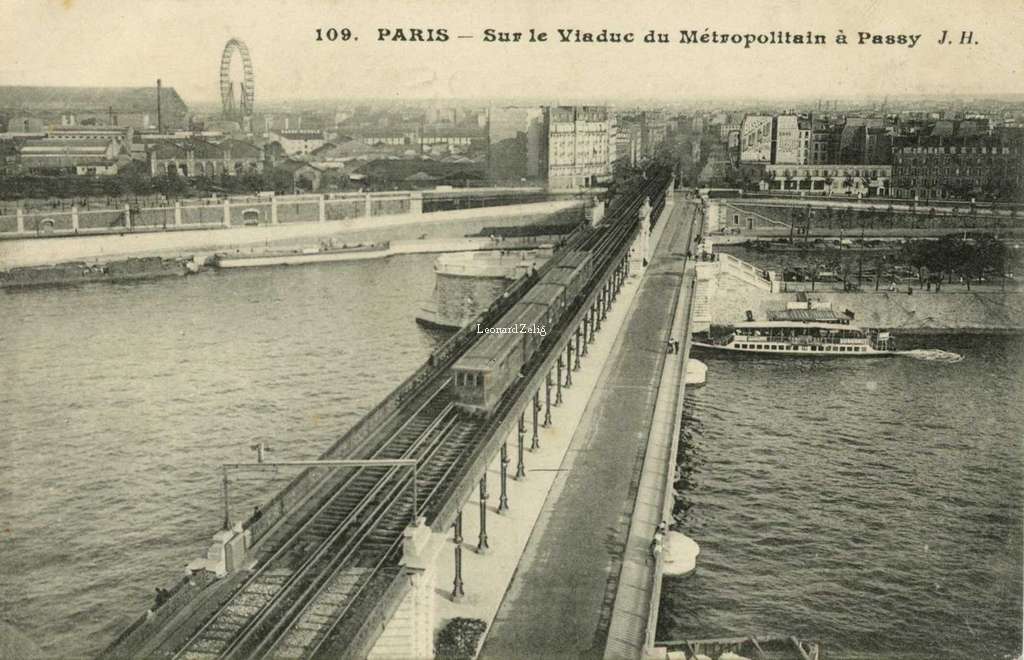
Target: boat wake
point(932, 355)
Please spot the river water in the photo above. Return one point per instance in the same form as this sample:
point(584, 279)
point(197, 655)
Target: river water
point(120, 402)
point(872, 504)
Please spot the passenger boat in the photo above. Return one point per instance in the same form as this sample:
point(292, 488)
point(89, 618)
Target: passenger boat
point(326, 252)
point(802, 329)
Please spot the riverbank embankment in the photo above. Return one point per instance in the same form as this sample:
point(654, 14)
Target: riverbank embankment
point(921, 312)
point(366, 230)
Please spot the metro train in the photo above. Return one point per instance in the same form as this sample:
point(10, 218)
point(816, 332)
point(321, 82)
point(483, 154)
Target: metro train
point(483, 374)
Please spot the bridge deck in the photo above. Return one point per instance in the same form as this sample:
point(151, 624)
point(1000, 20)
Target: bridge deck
point(569, 572)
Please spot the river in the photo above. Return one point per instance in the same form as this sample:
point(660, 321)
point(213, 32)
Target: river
point(872, 504)
point(121, 401)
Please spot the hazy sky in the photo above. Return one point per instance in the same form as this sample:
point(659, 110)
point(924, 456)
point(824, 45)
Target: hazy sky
point(120, 42)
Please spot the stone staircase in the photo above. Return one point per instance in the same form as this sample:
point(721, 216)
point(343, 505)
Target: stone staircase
point(726, 274)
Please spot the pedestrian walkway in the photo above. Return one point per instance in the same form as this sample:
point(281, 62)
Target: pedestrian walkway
point(560, 603)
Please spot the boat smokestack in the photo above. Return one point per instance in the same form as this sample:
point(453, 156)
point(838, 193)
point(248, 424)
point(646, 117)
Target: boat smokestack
point(750, 315)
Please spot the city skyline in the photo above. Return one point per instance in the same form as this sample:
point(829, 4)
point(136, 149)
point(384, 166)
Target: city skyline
point(180, 42)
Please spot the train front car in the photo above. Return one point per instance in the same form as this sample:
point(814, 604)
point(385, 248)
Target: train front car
point(481, 376)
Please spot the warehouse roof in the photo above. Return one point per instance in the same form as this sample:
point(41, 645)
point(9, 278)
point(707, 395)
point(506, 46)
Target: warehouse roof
point(120, 99)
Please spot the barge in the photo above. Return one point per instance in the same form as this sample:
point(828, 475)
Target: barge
point(326, 252)
point(79, 272)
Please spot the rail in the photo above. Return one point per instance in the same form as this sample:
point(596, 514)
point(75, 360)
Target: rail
point(650, 629)
point(310, 561)
point(438, 483)
point(373, 507)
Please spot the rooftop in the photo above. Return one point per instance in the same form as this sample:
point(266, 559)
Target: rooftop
point(300, 135)
point(81, 99)
point(65, 146)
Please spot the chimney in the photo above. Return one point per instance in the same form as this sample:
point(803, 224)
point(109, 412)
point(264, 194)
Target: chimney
point(159, 115)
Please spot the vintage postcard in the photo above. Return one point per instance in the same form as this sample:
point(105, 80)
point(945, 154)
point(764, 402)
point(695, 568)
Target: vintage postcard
point(511, 329)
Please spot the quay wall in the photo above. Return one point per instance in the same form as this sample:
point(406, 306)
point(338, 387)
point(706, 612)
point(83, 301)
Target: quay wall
point(825, 217)
point(920, 312)
point(216, 237)
point(460, 299)
point(467, 283)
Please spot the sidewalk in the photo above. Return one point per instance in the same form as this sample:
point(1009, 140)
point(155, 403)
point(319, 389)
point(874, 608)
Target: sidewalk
point(560, 602)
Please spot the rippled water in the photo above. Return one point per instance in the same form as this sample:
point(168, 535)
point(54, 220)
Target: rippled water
point(872, 504)
point(120, 402)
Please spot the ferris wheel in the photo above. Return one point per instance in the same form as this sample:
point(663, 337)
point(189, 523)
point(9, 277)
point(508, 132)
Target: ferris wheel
point(246, 94)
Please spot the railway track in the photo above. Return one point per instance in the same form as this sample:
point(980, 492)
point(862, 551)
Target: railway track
point(378, 551)
point(333, 554)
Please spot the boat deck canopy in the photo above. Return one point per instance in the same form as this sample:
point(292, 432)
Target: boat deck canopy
point(766, 325)
point(804, 315)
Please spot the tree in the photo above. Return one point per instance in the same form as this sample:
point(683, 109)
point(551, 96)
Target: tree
point(170, 185)
point(968, 261)
point(992, 254)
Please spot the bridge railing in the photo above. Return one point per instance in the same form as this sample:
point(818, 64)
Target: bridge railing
point(745, 271)
point(178, 598)
point(240, 210)
point(297, 489)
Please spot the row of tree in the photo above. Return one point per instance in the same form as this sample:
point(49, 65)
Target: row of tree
point(971, 258)
point(133, 183)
